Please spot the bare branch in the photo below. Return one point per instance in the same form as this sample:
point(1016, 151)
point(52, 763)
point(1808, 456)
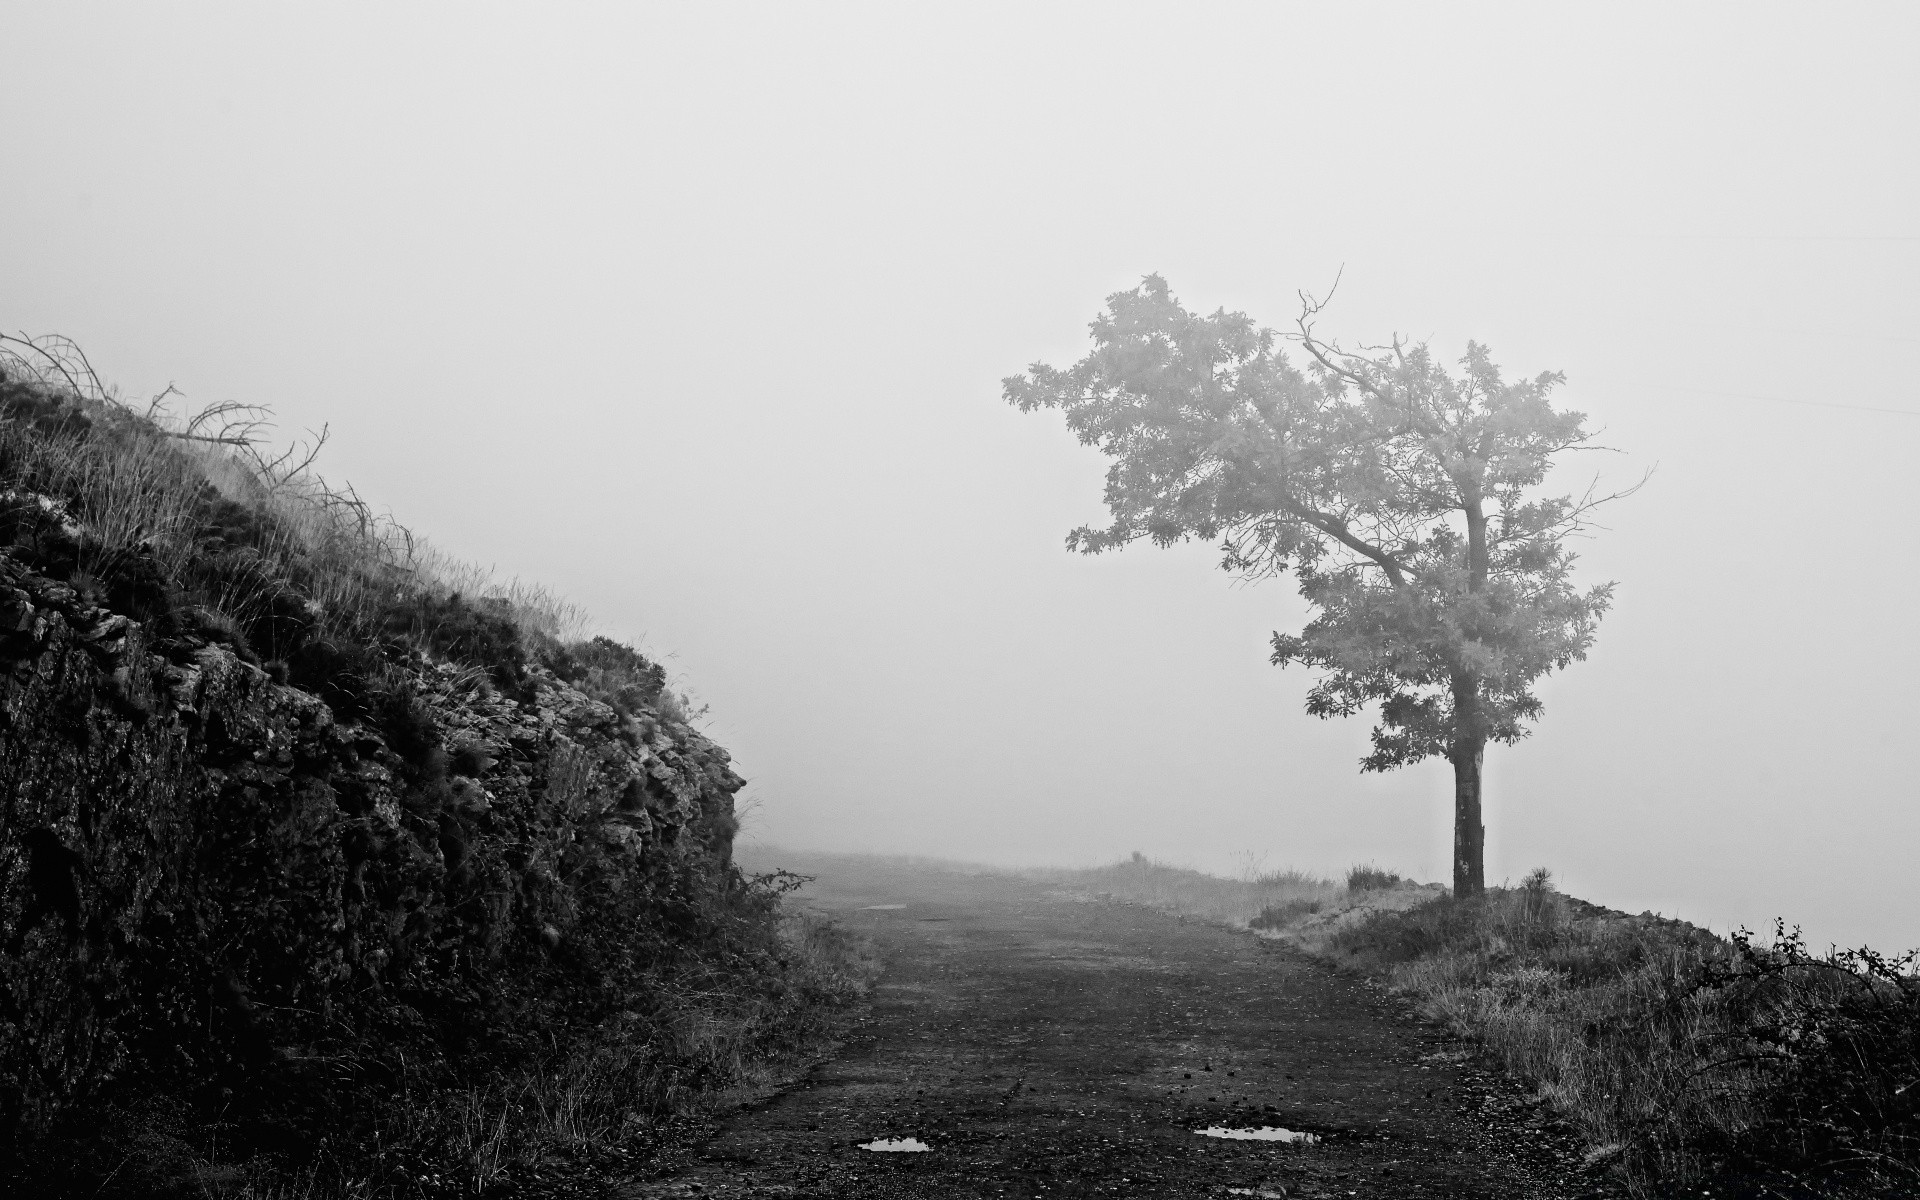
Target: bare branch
point(156, 405)
point(57, 358)
point(1588, 502)
point(276, 472)
point(1336, 528)
point(1311, 307)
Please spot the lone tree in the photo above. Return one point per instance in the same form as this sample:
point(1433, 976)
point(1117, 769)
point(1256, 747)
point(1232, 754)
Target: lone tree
point(1402, 496)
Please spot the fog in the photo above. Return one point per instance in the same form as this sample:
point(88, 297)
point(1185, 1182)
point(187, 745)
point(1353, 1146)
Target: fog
point(697, 314)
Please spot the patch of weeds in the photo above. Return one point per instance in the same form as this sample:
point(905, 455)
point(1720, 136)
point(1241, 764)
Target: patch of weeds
point(477, 633)
point(1369, 878)
point(628, 678)
point(1279, 916)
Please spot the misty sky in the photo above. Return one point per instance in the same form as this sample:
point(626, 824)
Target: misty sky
point(698, 315)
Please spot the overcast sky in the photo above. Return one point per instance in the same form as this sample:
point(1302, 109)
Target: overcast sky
point(698, 314)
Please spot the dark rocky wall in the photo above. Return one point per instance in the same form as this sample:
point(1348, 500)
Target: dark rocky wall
point(207, 881)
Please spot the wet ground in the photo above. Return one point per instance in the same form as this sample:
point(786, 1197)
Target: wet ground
point(1043, 1046)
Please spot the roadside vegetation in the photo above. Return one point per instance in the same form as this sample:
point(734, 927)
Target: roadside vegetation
point(708, 1030)
point(331, 867)
point(1682, 1057)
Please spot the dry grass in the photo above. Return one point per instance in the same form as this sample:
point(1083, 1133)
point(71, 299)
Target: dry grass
point(133, 475)
point(137, 480)
point(535, 607)
point(1587, 1006)
point(143, 481)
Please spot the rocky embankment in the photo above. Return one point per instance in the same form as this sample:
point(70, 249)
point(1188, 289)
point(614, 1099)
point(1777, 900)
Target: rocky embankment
point(323, 874)
point(209, 879)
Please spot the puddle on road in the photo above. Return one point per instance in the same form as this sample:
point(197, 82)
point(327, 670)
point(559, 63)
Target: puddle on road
point(1262, 1192)
point(882, 907)
point(1266, 1133)
point(896, 1146)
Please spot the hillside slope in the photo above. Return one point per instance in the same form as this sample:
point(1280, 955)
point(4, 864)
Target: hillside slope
point(295, 838)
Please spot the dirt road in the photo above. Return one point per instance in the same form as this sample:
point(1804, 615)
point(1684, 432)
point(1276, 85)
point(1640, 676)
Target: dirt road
point(1044, 1046)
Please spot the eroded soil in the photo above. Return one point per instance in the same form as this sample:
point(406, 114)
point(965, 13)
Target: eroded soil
point(1047, 1046)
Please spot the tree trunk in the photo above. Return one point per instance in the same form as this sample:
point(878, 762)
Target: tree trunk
point(1469, 834)
point(1469, 750)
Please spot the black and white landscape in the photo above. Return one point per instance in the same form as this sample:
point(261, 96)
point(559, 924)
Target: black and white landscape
point(861, 600)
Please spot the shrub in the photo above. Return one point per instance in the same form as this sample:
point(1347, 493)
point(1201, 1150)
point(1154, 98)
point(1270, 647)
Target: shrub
point(611, 672)
point(1827, 1050)
point(1369, 878)
point(476, 633)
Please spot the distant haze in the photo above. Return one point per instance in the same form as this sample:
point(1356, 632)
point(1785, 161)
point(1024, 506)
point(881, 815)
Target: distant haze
point(698, 315)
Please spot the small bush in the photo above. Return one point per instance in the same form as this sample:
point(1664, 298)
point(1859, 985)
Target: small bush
point(1827, 1049)
point(612, 672)
point(474, 633)
point(1369, 878)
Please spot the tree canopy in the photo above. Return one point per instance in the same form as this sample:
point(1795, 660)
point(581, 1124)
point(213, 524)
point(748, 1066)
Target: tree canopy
point(1404, 497)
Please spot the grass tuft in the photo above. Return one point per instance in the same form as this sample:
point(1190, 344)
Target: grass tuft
point(1369, 878)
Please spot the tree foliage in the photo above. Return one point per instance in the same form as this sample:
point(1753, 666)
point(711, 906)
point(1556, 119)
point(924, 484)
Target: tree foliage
point(1404, 497)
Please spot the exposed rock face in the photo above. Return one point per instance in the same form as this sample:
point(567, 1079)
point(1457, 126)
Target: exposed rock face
point(205, 876)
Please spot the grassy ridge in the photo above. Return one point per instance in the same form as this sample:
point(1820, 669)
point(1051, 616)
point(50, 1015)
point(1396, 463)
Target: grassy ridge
point(187, 520)
point(1682, 1057)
